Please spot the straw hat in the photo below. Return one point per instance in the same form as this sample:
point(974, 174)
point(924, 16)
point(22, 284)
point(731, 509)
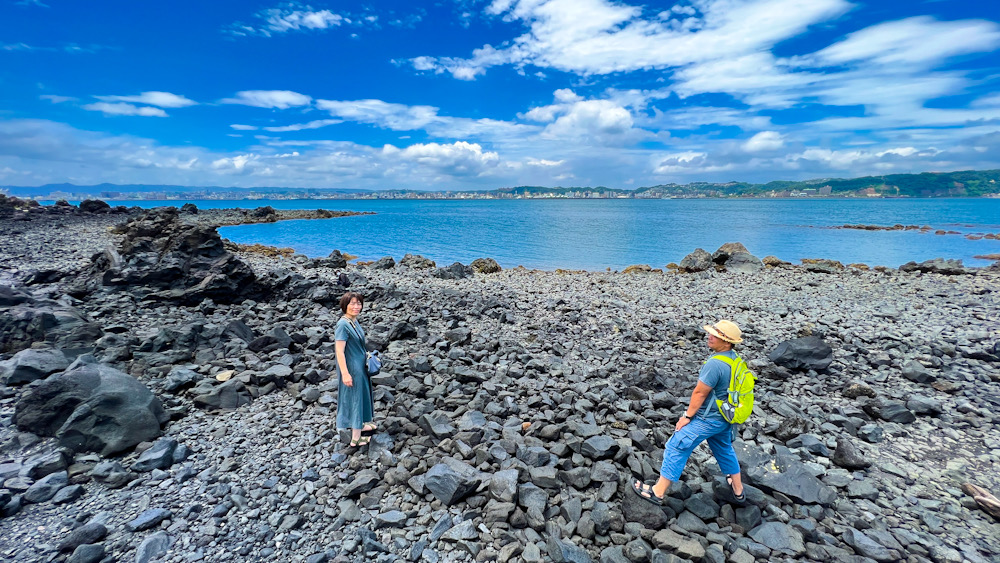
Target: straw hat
point(726, 330)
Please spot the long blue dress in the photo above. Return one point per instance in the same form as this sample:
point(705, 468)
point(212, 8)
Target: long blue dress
point(354, 403)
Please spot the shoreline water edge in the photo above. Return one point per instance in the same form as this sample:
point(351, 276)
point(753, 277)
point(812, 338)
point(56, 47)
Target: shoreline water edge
point(166, 395)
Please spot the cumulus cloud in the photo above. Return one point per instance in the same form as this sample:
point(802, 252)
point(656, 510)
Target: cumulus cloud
point(125, 109)
point(456, 159)
point(276, 99)
point(159, 99)
point(764, 141)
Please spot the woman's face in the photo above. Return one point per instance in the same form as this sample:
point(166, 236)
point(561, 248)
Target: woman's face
point(354, 307)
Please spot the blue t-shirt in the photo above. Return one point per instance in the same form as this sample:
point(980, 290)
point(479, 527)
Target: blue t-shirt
point(715, 373)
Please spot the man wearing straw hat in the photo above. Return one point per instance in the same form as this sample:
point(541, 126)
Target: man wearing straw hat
point(702, 421)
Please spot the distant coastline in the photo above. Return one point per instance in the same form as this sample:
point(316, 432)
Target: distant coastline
point(969, 183)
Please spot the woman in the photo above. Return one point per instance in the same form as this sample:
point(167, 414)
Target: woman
point(355, 409)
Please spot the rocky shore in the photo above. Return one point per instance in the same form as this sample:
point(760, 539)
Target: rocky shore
point(165, 396)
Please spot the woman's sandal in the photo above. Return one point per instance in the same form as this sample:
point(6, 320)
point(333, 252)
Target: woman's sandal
point(368, 428)
point(740, 498)
point(645, 492)
point(362, 441)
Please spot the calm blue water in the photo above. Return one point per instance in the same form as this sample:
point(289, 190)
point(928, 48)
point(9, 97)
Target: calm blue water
point(598, 234)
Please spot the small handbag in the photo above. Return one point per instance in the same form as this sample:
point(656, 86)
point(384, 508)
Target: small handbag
point(373, 363)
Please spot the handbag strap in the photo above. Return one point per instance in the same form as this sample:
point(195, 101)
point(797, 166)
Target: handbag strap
point(364, 341)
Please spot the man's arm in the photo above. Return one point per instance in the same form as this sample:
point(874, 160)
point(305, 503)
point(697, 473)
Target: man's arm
point(698, 396)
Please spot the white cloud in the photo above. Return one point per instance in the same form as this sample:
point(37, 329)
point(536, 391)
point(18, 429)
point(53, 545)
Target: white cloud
point(315, 124)
point(457, 159)
point(543, 162)
point(920, 40)
point(32, 3)
point(17, 47)
point(56, 99)
point(290, 17)
point(237, 163)
point(124, 109)
point(277, 99)
point(159, 99)
point(764, 141)
point(602, 37)
point(239, 127)
point(398, 117)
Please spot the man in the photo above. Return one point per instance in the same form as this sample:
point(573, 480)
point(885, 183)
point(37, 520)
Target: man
point(702, 421)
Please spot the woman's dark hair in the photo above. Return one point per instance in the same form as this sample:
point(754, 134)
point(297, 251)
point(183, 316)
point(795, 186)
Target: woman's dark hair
point(346, 299)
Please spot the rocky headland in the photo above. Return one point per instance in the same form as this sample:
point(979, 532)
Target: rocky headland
point(166, 396)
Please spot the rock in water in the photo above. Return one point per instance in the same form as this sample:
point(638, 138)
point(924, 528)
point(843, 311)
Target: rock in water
point(810, 352)
point(92, 408)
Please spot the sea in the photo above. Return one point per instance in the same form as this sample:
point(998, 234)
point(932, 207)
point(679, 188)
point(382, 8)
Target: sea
point(602, 234)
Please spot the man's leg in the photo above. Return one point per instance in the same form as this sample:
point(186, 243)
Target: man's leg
point(721, 445)
point(676, 453)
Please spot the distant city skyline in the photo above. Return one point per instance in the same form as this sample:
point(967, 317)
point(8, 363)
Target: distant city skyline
point(466, 95)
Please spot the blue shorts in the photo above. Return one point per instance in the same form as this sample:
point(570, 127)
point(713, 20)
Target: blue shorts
point(716, 431)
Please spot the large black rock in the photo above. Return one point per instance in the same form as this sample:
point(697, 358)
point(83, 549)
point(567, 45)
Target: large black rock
point(186, 263)
point(452, 480)
point(803, 354)
point(92, 408)
point(25, 320)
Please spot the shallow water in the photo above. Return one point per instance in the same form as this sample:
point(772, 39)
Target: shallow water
point(599, 234)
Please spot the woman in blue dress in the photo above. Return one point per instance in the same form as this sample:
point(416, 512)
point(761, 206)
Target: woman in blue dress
point(355, 408)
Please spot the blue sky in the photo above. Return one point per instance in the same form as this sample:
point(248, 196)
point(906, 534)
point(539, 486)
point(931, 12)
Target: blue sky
point(470, 94)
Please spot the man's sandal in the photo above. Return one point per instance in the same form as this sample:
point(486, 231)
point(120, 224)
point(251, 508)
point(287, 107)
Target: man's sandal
point(645, 492)
point(740, 498)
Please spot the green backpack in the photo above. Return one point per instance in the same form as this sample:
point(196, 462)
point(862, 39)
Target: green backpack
point(738, 405)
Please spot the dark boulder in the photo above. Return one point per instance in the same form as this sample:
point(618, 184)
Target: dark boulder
point(25, 320)
point(456, 271)
point(452, 480)
point(92, 408)
point(417, 262)
point(229, 395)
point(185, 263)
point(697, 261)
point(30, 365)
point(485, 266)
point(722, 255)
point(847, 456)
point(189, 209)
point(744, 263)
point(936, 266)
point(335, 261)
point(94, 206)
point(384, 263)
point(810, 352)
